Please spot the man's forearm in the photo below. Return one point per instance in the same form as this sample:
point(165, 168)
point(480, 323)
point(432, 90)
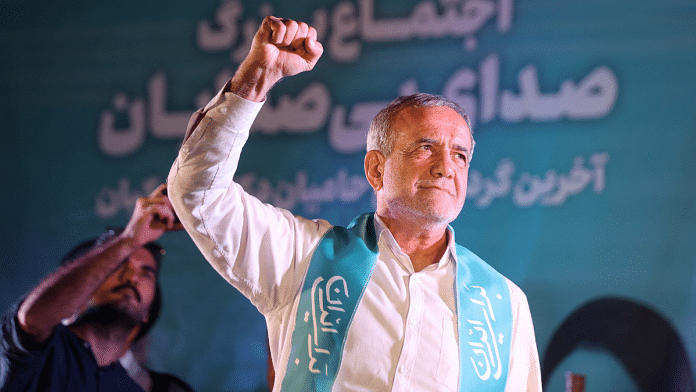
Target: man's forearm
point(66, 291)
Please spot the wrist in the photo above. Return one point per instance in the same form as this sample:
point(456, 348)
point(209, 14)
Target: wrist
point(127, 243)
point(252, 83)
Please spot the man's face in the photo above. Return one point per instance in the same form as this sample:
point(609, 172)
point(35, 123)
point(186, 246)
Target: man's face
point(131, 287)
point(425, 175)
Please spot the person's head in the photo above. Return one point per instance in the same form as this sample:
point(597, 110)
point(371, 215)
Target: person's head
point(380, 135)
point(419, 149)
point(130, 294)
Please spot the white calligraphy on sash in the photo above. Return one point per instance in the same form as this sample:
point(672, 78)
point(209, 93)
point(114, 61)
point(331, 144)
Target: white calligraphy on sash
point(326, 314)
point(484, 341)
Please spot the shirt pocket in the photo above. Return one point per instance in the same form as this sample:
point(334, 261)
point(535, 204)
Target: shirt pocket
point(448, 364)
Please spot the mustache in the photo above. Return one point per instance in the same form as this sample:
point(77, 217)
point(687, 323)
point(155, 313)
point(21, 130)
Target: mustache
point(444, 185)
point(128, 286)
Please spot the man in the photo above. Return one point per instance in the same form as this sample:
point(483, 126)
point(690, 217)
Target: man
point(389, 303)
point(74, 330)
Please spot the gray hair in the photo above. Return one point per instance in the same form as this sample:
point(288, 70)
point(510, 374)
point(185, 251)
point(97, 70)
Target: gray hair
point(380, 136)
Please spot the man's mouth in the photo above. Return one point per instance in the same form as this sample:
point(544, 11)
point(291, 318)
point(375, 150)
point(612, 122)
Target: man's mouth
point(127, 286)
point(436, 187)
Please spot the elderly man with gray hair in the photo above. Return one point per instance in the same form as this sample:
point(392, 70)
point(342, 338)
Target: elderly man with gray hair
point(389, 303)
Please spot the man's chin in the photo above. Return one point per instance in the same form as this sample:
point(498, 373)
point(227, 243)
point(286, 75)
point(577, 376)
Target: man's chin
point(112, 314)
point(441, 214)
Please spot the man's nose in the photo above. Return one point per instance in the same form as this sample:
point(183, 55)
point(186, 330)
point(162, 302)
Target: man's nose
point(442, 165)
point(127, 272)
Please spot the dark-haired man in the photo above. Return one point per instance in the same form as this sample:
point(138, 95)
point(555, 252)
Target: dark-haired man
point(74, 330)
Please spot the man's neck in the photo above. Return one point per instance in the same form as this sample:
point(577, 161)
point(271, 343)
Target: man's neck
point(423, 243)
point(107, 344)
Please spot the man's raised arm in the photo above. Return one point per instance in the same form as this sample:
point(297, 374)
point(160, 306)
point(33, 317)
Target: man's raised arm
point(227, 224)
point(66, 291)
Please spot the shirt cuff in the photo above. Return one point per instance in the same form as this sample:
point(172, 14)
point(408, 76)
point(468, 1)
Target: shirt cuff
point(232, 110)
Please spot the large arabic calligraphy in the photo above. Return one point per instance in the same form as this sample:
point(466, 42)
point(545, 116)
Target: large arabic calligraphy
point(311, 109)
point(348, 24)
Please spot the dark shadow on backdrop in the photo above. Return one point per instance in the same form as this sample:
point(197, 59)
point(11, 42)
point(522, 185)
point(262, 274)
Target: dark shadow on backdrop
point(645, 343)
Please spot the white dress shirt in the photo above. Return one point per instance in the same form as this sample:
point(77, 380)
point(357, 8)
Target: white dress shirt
point(404, 334)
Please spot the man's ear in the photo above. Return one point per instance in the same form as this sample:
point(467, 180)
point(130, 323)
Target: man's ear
point(374, 169)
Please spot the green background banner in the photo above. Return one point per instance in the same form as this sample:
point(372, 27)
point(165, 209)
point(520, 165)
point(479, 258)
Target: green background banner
point(582, 185)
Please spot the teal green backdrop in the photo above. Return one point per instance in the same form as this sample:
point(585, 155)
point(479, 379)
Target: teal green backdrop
point(582, 184)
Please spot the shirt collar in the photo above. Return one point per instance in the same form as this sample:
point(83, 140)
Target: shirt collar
point(136, 371)
point(382, 229)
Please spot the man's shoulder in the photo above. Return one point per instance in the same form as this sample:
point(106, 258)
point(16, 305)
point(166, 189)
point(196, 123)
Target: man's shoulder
point(14, 338)
point(515, 291)
point(361, 228)
point(464, 255)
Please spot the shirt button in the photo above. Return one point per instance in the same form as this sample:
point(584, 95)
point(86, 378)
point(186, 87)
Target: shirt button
point(403, 370)
point(414, 322)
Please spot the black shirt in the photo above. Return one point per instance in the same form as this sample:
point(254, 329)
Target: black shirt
point(63, 362)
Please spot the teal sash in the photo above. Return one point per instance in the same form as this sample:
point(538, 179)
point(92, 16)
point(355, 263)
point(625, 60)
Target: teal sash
point(338, 273)
point(484, 334)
